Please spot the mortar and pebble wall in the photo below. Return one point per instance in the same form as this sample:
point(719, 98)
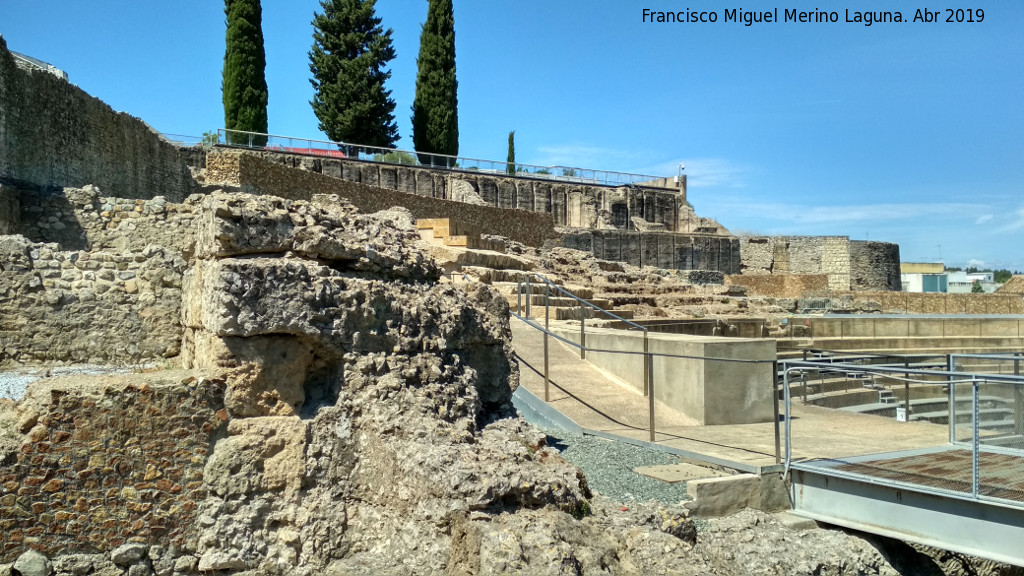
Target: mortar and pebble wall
point(106, 463)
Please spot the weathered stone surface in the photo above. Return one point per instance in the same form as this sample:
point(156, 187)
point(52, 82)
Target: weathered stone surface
point(127, 554)
point(32, 563)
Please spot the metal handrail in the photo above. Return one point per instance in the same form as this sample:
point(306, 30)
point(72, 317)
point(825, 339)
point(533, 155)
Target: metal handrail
point(227, 137)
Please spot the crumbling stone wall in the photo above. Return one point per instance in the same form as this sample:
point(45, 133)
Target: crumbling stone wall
point(847, 264)
point(255, 175)
point(661, 249)
point(53, 134)
point(109, 462)
point(931, 303)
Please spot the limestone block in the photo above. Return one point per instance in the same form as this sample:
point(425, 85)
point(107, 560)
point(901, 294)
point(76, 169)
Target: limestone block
point(259, 455)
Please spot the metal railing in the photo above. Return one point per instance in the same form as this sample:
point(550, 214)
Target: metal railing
point(343, 150)
point(979, 398)
point(524, 311)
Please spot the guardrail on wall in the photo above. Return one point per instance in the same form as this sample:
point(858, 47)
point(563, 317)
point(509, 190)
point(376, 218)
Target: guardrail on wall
point(343, 150)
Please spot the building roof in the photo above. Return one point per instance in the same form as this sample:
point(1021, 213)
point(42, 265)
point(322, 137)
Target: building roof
point(922, 267)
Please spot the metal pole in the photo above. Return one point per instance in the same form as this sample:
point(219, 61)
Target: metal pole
point(528, 296)
point(906, 390)
point(649, 373)
point(519, 298)
point(547, 323)
point(647, 369)
point(775, 405)
point(583, 333)
point(785, 406)
point(1018, 399)
point(975, 454)
point(950, 364)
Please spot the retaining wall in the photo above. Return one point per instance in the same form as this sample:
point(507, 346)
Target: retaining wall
point(574, 204)
point(662, 249)
point(256, 175)
point(780, 285)
point(53, 134)
point(709, 391)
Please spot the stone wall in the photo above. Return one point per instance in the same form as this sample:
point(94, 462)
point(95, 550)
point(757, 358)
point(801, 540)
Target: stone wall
point(573, 204)
point(847, 264)
point(82, 306)
point(934, 303)
point(110, 462)
point(84, 218)
point(661, 249)
point(53, 134)
point(257, 175)
point(780, 285)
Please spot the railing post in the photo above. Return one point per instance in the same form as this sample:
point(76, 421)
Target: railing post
point(649, 373)
point(785, 406)
point(519, 298)
point(906, 390)
point(975, 454)
point(583, 332)
point(950, 364)
point(647, 369)
point(1018, 399)
point(775, 405)
point(547, 326)
point(528, 297)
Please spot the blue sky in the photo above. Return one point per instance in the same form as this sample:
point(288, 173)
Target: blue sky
point(905, 132)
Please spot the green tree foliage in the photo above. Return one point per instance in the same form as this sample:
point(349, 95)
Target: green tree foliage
point(435, 114)
point(1002, 276)
point(976, 287)
point(510, 167)
point(350, 51)
point(244, 84)
point(395, 157)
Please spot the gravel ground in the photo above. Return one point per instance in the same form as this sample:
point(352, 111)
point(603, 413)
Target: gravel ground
point(14, 382)
point(609, 467)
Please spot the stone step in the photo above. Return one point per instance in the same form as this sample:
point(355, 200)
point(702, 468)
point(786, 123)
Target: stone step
point(565, 301)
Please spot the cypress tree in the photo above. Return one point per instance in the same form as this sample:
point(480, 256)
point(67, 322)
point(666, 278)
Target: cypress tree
point(244, 84)
point(435, 110)
point(510, 167)
point(350, 50)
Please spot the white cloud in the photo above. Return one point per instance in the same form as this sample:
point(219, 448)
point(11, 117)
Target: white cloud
point(1016, 224)
point(983, 218)
point(975, 263)
point(703, 172)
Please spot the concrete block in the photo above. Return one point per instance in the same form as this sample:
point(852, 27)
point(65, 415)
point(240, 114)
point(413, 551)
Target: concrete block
point(723, 496)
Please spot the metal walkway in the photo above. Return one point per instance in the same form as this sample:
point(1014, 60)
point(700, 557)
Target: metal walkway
point(966, 495)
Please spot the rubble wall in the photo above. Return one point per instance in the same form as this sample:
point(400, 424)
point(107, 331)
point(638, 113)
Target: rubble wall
point(257, 175)
point(53, 134)
point(110, 463)
point(662, 249)
point(88, 307)
point(935, 303)
point(10, 210)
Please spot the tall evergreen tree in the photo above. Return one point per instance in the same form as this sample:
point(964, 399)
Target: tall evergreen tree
point(510, 166)
point(350, 50)
point(244, 84)
point(435, 110)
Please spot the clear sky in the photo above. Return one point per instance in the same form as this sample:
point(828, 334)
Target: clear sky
point(906, 132)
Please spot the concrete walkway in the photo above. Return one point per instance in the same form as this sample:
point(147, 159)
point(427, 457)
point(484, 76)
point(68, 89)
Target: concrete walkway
point(597, 401)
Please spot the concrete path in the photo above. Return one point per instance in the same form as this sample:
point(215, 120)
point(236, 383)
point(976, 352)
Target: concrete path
point(597, 401)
